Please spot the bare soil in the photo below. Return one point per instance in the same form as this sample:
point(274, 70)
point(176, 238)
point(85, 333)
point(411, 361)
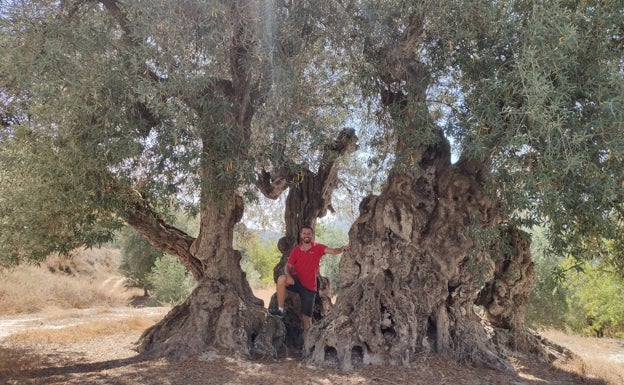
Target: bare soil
point(110, 359)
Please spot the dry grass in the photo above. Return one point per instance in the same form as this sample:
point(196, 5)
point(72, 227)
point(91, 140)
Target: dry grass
point(15, 360)
point(83, 280)
point(596, 361)
point(66, 335)
point(53, 343)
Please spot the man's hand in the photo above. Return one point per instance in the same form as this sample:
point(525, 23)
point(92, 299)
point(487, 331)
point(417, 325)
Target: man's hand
point(289, 280)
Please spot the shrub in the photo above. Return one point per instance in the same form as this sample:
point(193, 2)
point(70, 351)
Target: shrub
point(596, 301)
point(170, 281)
point(547, 305)
point(138, 257)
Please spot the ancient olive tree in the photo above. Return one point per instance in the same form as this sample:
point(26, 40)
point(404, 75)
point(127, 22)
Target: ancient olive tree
point(531, 94)
point(120, 111)
point(137, 260)
point(114, 111)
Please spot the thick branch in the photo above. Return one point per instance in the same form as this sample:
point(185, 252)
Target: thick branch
point(272, 185)
point(345, 143)
point(164, 237)
point(326, 176)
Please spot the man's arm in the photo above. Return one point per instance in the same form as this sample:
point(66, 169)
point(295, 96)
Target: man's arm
point(329, 250)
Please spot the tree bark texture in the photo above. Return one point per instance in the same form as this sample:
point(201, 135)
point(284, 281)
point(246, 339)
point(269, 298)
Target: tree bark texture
point(411, 279)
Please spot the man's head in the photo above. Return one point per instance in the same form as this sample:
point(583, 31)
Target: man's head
point(307, 234)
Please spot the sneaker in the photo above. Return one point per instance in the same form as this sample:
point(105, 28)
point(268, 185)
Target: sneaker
point(276, 312)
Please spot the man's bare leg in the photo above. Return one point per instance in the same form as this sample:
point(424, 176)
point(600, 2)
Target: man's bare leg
point(281, 291)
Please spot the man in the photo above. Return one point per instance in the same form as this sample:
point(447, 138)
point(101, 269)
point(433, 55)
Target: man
point(300, 274)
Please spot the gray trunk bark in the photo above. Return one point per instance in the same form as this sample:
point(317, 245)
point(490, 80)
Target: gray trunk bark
point(415, 270)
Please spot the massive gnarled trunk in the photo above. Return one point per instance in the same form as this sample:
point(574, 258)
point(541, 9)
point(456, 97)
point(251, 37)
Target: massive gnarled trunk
point(407, 282)
point(414, 272)
point(222, 312)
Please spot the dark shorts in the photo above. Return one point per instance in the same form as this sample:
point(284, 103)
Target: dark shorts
point(307, 297)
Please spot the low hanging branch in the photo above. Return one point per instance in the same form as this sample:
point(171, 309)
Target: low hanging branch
point(162, 236)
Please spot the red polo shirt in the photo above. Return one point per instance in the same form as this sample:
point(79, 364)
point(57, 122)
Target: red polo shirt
point(306, 263)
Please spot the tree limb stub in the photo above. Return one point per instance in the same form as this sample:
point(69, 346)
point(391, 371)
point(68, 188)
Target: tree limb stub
point(272, 184)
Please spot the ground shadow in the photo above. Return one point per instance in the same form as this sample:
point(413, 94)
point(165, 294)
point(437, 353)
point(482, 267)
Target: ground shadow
point(35, 368)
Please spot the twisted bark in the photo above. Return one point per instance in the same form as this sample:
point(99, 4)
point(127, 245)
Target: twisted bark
point(409, 282)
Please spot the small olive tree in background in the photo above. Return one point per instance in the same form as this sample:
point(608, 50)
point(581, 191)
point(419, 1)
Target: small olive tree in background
point(595, 299)
point(585, 297)
point(137, 259)
point(171, 282)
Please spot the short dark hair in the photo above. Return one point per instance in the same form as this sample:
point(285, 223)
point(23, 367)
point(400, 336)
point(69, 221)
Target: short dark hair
point(306, 227)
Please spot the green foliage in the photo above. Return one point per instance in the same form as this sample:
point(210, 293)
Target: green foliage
point(259, 255)
point(101, 102)
point(550, 118)
point(264, 255)
point(46, 204)
point(170, 281)
point(138, 258)
point(612, 250)
point(547, 305)
point(586, 297)
point(596, 300)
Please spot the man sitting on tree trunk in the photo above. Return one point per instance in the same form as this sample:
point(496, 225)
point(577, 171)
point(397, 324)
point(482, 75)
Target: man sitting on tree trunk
point(300, 274)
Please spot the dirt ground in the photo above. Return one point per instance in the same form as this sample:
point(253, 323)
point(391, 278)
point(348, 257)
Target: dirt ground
point(110, 359)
